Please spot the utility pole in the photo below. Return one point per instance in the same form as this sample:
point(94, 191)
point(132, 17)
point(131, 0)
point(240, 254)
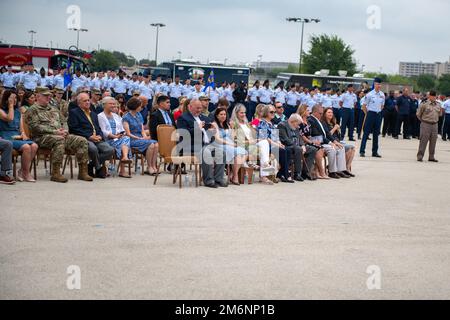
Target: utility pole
point(302, 21)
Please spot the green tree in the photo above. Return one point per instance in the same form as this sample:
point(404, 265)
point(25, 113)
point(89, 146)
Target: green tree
point(443, 86)
point(426, 82)
point(104, 60)
point(329, 52)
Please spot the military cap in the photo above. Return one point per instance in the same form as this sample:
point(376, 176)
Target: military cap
point(58, 90)
point(377, 80)
point(96, 91)
point(203, 98)
point(43, 90)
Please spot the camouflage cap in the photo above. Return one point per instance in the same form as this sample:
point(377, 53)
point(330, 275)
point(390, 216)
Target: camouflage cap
point(96, 91)
point(58, 90)
point(43, 90)
point(204, 98)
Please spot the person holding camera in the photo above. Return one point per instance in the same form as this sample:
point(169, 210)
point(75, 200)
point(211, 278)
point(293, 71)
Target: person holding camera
point(195, 131)
point(114, 133)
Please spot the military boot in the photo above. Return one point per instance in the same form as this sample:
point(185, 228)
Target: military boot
point(56, 174)
point(83, 172)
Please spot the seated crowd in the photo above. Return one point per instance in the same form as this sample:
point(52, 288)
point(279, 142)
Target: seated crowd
point(97, 128)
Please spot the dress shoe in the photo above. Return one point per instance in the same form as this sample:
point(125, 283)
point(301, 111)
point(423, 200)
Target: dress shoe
point(406, 138)
point(362, 155)
point(432, 160)
point(6, 180)
point(420, 160)
point(351, 139)
point(343, 175)
point(90, 169)
point(299, 178)
point(212, 185)
point(376, 155)
point(395, 137)
point(384, 136)
point(307, 177)
point(349, 173)
point(368, 138)
point(101, 173)
point(222, 184)
point(285, 180)
point(334, 175)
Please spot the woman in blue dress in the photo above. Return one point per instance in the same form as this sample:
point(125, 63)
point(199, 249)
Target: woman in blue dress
point(133, 124)
point(11, 128)
point(224, 140)
point(114, 133)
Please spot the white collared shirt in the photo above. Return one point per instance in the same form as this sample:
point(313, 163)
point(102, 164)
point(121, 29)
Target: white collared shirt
point(374, 101)
point(348, 100)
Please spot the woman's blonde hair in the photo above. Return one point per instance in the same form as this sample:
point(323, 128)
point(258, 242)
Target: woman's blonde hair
point(302, 110)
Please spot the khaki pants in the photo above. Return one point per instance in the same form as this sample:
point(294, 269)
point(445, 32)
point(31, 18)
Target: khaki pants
point(428, 133)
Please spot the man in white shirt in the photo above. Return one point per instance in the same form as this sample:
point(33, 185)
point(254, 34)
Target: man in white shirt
point(348, 102)
point(175, 92)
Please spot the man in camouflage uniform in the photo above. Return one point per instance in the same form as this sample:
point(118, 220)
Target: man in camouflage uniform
point(61, 105)
point(45, 127)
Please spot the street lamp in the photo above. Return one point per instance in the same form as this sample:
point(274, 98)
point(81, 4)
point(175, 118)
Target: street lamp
point(78, 35)
point(303, 21)
point(179, 55)
point(157, 25)
point(32, 32)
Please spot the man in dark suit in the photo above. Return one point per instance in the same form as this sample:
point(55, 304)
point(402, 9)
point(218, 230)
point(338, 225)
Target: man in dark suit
point(162, 115)
point(195, 137)
point(84, 122)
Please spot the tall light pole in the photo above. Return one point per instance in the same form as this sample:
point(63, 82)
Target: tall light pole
point(157, 25)
point(179, 55)
point(78, 35)
point(32, 32)
point(302, 21)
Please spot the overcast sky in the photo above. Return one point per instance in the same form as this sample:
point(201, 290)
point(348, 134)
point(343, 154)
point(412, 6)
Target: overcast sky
point(239, 30)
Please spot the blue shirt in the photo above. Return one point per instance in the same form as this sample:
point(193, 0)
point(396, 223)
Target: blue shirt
point(30, 80)
point(348, 100)
point(374, 101)
point(446, 106)
point(8, 79)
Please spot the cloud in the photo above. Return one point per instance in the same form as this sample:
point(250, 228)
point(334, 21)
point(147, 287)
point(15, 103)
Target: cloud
point(238, 30)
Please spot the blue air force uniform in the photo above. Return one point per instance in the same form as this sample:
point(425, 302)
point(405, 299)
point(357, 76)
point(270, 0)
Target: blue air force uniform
point(374, 102)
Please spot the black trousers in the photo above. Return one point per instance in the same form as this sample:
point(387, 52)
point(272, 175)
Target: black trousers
point(402, 119)
point(296, 154)
point(389, 122)
point(441, 125)
point(283, 157)
point(413, 125)
point(446, 132)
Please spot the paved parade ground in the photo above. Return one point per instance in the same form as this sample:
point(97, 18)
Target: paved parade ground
point(310, 240)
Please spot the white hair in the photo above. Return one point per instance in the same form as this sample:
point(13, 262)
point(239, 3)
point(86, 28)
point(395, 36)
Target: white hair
point(105, 100)
point(295, 117)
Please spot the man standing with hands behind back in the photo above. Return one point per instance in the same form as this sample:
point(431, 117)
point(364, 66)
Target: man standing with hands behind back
point(428, 114)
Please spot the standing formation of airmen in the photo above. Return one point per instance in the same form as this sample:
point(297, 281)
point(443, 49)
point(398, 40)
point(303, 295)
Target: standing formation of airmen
point(365, 110)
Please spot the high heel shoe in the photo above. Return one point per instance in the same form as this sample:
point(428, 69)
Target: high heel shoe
point(19, 176)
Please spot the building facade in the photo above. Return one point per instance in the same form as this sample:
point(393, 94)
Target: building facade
point(410, 69)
